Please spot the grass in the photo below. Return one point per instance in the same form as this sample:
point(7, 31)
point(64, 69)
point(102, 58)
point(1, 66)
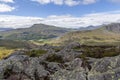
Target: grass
point(8, 46)
point(4, 52)
point(15, 44)
point(45, 41)
point(90, 37)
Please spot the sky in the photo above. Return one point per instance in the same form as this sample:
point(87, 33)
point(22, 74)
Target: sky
point(61, 13)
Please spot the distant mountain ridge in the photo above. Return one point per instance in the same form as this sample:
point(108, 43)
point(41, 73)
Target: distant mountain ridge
point(104, 34)
point(37, 31)
point(88, 28)
point(5, 29)
point(114, 27)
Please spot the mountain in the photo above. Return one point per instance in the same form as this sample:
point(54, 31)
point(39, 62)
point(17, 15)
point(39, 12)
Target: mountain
point(5, 29)
point(105, 34)
point(88, 28)
point(37, 31)
point(114, 27)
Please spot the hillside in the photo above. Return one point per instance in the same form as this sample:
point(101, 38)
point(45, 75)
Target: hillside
point(9, 46)
point(114, 27)
point(36, 32)
point(13, 44)
point(105, 34)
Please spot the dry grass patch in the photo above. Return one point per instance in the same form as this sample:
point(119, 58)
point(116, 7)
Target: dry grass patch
point(4, 52)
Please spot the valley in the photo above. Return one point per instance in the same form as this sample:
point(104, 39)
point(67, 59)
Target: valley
point(77, 54)
point(59, 39)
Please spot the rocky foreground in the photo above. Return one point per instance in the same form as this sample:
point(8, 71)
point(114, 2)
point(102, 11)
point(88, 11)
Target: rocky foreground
point(58, 63)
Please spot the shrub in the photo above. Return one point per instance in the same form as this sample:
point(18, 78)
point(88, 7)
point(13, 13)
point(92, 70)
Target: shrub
point(57, 49)
point(99, 51)
point(54, 58)
point(36, 53)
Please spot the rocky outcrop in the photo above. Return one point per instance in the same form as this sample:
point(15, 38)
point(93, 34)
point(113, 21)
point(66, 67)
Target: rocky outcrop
point(105, 69)
point(58, 64)
point(114, 27)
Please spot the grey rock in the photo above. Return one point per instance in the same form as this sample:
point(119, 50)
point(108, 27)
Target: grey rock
point(34, 70)
point(76, 63)
point(105, 69)
point(69, 75)
point(63, 64)
point(52, 67)
point(73, 45)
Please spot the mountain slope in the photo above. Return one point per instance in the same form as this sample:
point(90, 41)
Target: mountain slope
point(37, 31)
point(12, 44)
point(114, 27)
point(88, 28)
point(105, 34)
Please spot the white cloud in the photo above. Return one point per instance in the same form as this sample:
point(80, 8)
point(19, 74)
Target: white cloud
point(17, 21)
point(67, 21)
point(83, 21)
point(72, 2)
point(66, 2)
point(6, 8)
point(7, 1)
point(42, 1)
point(57, 2)
point(89, 1)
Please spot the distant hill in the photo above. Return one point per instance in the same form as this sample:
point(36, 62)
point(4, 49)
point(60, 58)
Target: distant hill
point(88, 28)
point(37, 31)
point(106, 34)
point(5, 29)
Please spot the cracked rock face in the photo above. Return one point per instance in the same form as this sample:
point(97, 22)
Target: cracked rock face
point(60, 65)
point(105, 69)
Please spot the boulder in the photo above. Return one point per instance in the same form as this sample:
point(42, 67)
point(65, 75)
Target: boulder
point(58, 64)
point(69, 75)
point(52, 67)
point(72, 45)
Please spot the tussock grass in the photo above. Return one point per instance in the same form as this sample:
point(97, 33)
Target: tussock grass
point(4, 52)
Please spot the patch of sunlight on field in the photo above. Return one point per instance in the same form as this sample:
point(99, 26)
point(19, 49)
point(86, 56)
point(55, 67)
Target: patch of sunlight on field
point(43, 42)
point(4, 52)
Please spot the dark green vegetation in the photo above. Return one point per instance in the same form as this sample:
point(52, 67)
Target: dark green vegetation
point(36, 32)
point(54, 58)
point(98, 51)
point(15, 44)
point(36, 53)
